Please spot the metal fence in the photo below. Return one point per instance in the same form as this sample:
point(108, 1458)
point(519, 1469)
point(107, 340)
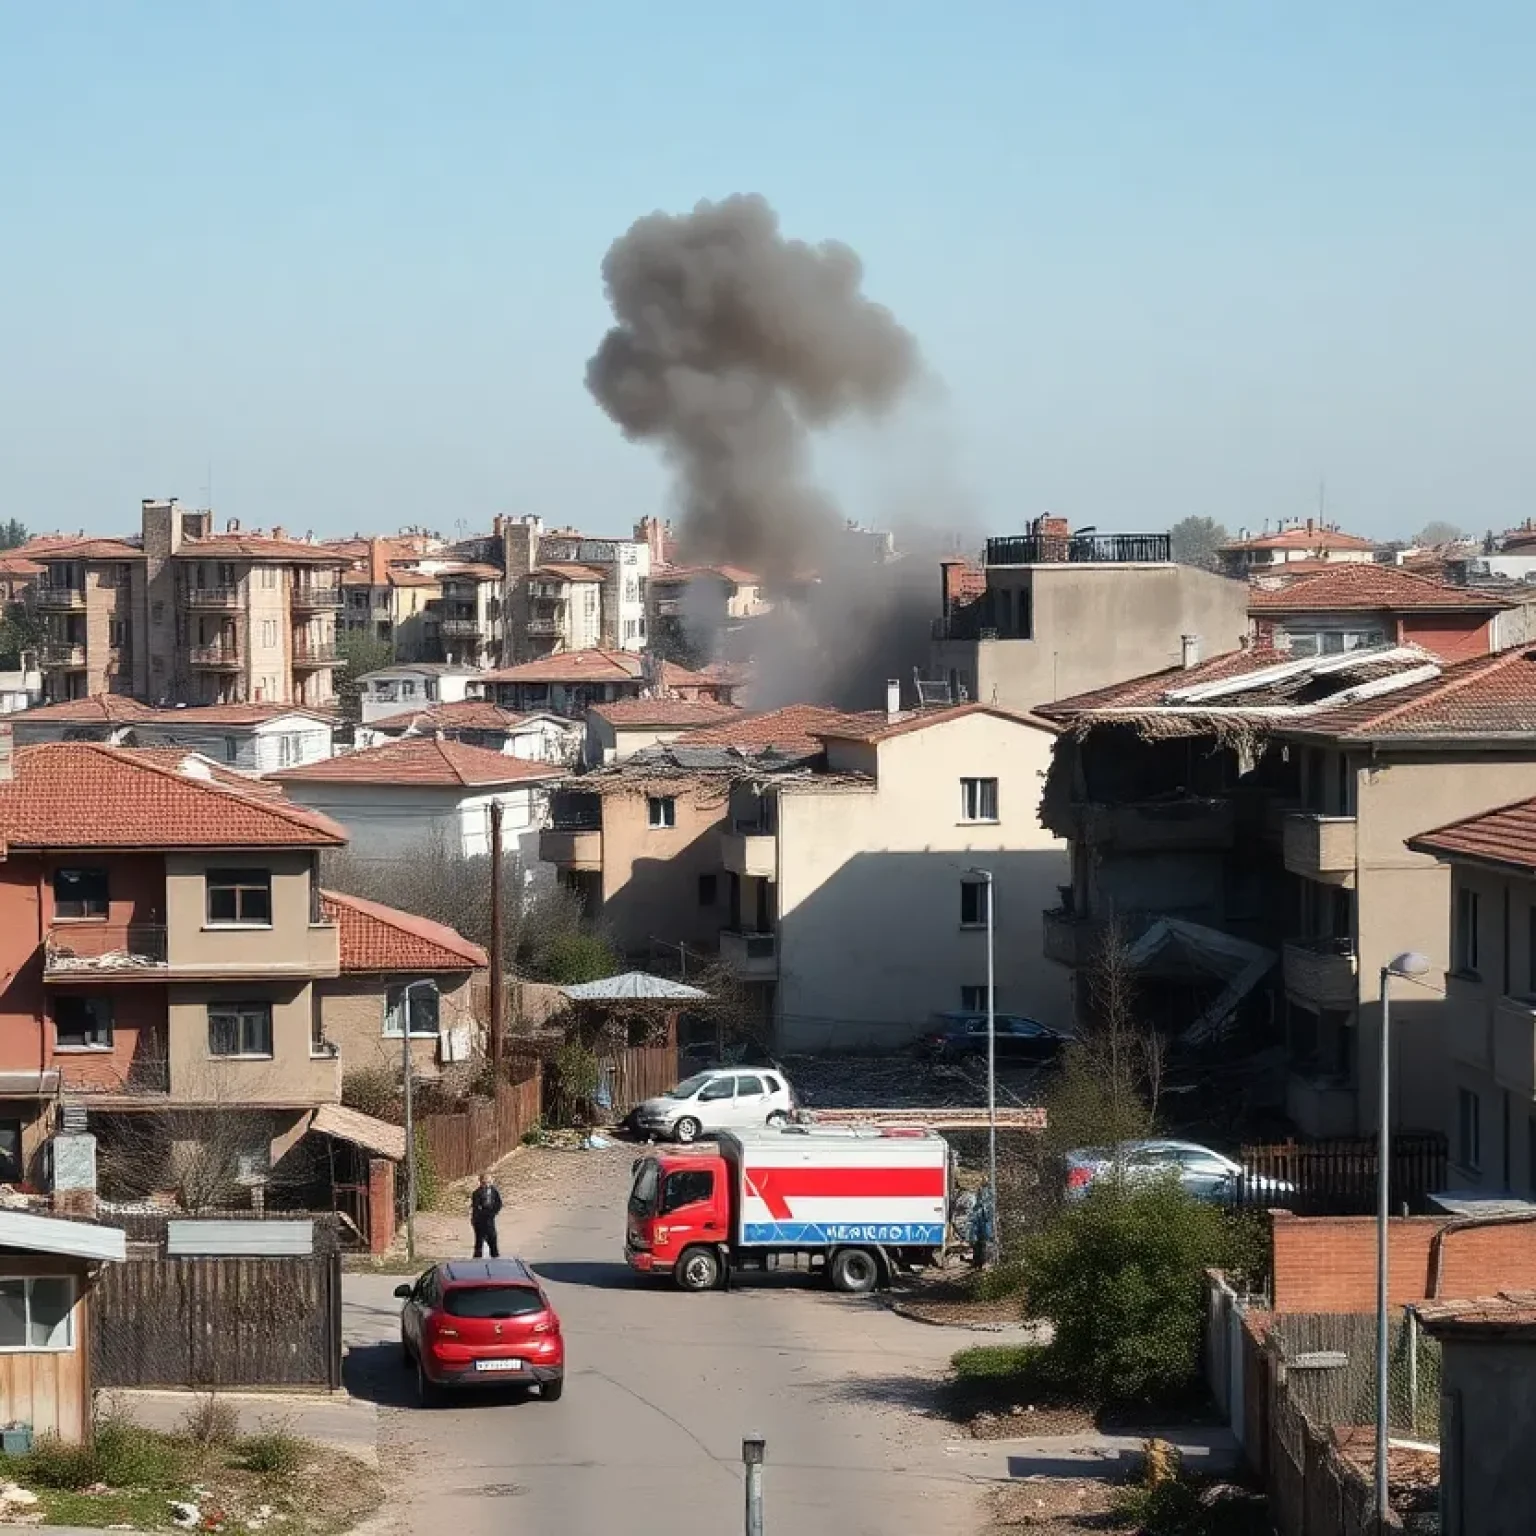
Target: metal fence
point(1338, 1178)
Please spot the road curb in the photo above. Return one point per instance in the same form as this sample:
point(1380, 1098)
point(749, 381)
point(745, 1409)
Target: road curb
point(901, 1310)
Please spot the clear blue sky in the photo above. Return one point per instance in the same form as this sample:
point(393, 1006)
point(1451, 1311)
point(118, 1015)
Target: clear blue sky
point(1166, 257)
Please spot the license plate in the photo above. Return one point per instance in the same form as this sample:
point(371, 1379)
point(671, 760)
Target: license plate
point(498, 1365)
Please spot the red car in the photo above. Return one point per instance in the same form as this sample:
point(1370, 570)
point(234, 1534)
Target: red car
point(481, 1322)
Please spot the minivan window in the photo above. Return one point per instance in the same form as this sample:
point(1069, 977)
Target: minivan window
point(687, 1189)
point(492, 1301)
point(746, 1086)
point(774, 1085)
point(720, 1088)
point(689, 1086)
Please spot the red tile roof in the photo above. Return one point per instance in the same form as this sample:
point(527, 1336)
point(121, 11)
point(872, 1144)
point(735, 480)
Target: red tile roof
point(79, 794)
point(119, 709)
point(796, 730)
point(376, 938)
point(559, 570)
point(87, 549)
point(1509, 1310)
point(420, 760)
point(194, 765)
point(372, 559)
point(692, 714)
point(463, 715)
point(258, 546)
point(878, 727)
point(600, 664)
point(736, 574)
point(470, 570)
point(1302, 537)
point(1505, 836)
point(14, 564)
point(1344, 588)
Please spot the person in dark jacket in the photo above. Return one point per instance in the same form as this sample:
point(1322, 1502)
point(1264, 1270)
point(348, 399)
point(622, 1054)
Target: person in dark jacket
point(484, 1208)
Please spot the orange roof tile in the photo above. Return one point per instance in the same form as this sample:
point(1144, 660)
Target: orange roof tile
point(561, 571)
point(463, 715)
point(119, 709)
point(795, 729)
point(420, 761)
point(1512, 1310)
point(195, 765)
point(375, 938)
point(600, 664)
point(688, 713)
point(737, 574)
point(876, 727)
point(1505, 836)
point(1342, 588)
point(89, 549)
point(1302, 537)
point(258, 546)
point(79, 794)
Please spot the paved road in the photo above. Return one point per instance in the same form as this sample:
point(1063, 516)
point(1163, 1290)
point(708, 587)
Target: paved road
point(661, 1389)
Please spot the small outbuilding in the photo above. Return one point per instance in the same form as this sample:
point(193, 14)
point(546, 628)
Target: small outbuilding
point(48, 1270)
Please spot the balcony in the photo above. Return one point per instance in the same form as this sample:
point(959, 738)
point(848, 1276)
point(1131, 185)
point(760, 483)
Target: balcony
point(1319, 847)
point(312, 653)
point(63, 653)
point(1514, 1043)
point(962, 626)
point(543, 626)
point(1319, 1106)
point(221, 657)
point(220, 599)
point(60, 599)
point(750, 849)
point(1321, 973)
point(749, 956)
point(86, 950)
point(1157, 826)
point(312, 597)
point(572, 847)
point(1082, 549)
point(466, 629)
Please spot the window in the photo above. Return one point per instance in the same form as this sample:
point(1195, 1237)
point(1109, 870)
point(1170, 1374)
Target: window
point(79, 893)
point(239, 1029)
point(82, 1023)
point(973, 903)
point(749, 1087)
point(287, 750)
point(1466, 930)
point(407, 688)
point(1469, 1128)
point(225, 576)
point(419, 1001)
point(117, 633)
point(773, 1084)
point(973, 999)
point(242, 896)
point(10, 1151)
point(231, 749)
point(662, 810)
point(709, 890)
point(721, 1088)
point(269, 631)
point(978, 799)
point(688, 1188)
point(37, 1314)
point(269, 576)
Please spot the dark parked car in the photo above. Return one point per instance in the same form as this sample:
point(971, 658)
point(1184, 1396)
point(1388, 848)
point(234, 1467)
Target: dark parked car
point(479, 1322)
point(958, 1035)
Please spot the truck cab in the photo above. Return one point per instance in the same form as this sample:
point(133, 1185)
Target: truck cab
point(678, 1200)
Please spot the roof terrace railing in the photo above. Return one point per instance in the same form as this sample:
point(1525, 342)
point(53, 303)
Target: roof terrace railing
point(1081, 549)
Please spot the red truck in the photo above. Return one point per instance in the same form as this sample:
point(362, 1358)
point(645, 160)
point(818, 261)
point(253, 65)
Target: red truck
point(857, 1203)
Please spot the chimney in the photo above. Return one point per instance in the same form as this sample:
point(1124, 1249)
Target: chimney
point(1189, 651)
point(893, 699)
point(1311, 525)
point(232, 525)
point(279, 533)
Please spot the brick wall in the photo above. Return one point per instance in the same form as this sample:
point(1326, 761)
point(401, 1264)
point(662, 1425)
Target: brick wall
point(1328, 1263)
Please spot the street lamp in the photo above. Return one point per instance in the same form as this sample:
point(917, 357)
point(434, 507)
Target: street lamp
point(410, 1118)
point(1411, 966)
point(985, 876)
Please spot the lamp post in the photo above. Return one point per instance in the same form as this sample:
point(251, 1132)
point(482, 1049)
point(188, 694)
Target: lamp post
point(410, 1116)
point(985, 876)
point(1410, 966)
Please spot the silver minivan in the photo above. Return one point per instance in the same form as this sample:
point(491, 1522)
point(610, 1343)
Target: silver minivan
point(721, 1099)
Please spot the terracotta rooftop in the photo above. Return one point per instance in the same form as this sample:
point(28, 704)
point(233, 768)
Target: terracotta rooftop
point(1302, 536)
point(119, 709)
point(795, 730)
point(87, 549)
point(14, 564)
point(376, 938)
point(692, 714)
point(879, 727)
point(559, 570)
point(81, 794)
point(258, 546)
point(463, 715)
point(600, 664)
point(1513, 1311)
point(428, 761)
point(469, 570)
point(1341, 588)
point(737, 574)
point(194, 765)
point(374, 560)
point(1505, 836)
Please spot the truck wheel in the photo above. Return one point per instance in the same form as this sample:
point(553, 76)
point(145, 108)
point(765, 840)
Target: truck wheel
point(687, 1129)
point(698, 1269)
point(854, 1271)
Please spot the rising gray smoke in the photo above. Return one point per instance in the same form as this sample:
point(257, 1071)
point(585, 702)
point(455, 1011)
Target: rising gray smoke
point(731, 345)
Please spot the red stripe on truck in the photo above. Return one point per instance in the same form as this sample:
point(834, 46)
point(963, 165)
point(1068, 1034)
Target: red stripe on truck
point(776, 1186)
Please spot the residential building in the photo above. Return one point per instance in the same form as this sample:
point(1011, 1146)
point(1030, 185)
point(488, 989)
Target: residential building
point(478, 723)
point(1053, 614)
point(571, 682)
point(1356, 606)
point(22, 688)
point(399, 973)
point(417, 685)
point(466, 624)
point(564, 604)
point(252, 737)
point(19, 574)
point(1185, 794)
point(184, 615)
point(1309, 541)
point(163, 936)
point(392, 799)
point(619, 730)
point(387, 597)
point(693, 601)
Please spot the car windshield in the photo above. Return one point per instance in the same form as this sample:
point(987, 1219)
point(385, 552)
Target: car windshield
point(689, 1086)
point(642, 1198)
point(489, 1301)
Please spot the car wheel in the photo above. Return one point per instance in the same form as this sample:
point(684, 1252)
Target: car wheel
point(778, 1117)
point(550, 1391)
point(854, 1271)
point(698, 1269)
point(428, 1394)
point(687, 1129)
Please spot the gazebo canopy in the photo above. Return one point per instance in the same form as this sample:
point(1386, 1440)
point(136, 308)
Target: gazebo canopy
point(633, 986)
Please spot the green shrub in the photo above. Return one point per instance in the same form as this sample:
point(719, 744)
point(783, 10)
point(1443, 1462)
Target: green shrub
point(998, 1283)
point(373, 1091)
point(999, 1362)
point(128, 1456)
point(275, 1452)
point(212, 1422)
point(54, 1463)
point(567, 959)
point(428, 1185)
point(1175, 1508)
point(1119, 1275)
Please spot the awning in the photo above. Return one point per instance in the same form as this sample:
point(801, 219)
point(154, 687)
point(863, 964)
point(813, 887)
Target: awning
point(360, 1130)
point(1191, 945)
point(29, 1233)
point(28, 1085)
point(633, 985)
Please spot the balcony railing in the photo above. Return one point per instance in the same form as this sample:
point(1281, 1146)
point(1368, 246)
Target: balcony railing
point(63, 653)
point(1150, 826)
point(749, 955)
point(962, 626)
point(468, 628)
point(542, 626)
point(103, 949)
point(308, 594)
point(750, 850)
point(1322, 972)
point(60, 598)
point(225, 655)
point(310, 653)
point(213, 597)
point(1319, 847)
point(1081, 549)
point(572, 847)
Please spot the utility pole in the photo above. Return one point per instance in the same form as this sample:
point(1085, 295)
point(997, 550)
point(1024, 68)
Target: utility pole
point(498, 983)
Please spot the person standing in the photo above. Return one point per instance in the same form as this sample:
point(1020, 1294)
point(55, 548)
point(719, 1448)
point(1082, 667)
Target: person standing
point(484, 1208)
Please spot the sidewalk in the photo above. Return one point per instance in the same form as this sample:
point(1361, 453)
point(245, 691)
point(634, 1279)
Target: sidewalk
point(1203, 1449)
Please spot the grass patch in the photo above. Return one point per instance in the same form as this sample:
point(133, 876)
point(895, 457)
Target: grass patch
point(275, 1452)
point(999, 1362)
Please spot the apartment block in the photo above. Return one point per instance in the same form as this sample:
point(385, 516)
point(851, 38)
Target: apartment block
point(687, 603)
point(571, 682)
point(1052, 614)
point(387, 597)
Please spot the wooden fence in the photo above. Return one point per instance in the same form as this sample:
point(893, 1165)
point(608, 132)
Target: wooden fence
point(461, 1145)
point(1338, 1178)
point(225, 1322)
point(641, 1072)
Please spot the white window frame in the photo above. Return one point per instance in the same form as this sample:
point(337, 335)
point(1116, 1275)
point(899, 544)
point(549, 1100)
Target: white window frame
point(241, 1012)
point(983, 889)
point(27, 1282)
point(409, 995)
point(661, 812)
point(973, 799)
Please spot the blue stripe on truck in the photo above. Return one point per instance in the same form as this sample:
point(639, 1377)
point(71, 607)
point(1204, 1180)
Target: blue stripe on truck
point(821, 1234)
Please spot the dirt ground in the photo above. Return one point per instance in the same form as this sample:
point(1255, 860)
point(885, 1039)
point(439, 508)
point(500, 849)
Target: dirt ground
point(1055, 1506)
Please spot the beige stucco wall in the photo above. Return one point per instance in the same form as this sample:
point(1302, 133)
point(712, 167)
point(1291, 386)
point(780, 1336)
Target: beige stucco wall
point(352, 1016)
point(292, 944)
point(868, 889)
point(290, 1076)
